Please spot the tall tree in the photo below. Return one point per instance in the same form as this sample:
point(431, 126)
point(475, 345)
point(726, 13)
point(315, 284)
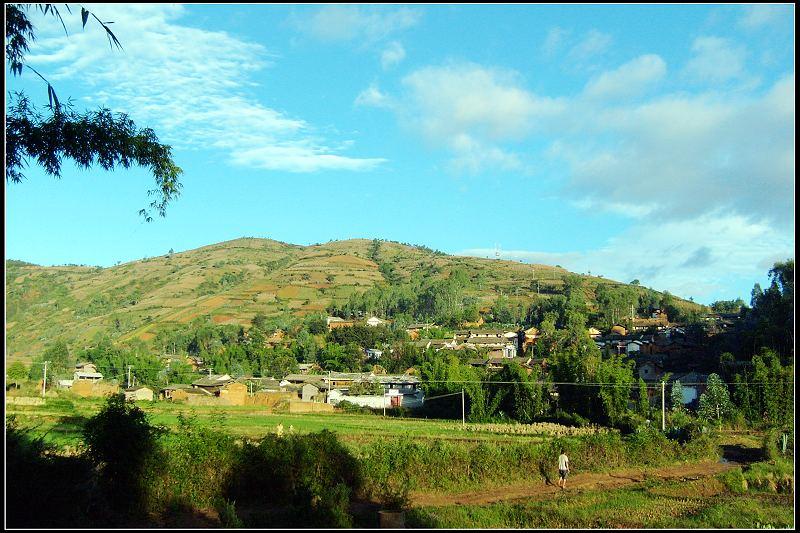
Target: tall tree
point(715, 402)
point(47, 136)
point(676, 396)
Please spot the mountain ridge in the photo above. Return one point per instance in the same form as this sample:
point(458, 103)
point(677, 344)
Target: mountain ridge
point(230, 281)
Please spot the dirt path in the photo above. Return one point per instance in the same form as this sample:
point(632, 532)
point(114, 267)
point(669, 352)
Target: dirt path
point(576, 483)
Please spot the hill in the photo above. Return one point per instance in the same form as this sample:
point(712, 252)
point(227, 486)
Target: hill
point(231, 281)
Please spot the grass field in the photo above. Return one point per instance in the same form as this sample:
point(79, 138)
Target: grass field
point(61, 420)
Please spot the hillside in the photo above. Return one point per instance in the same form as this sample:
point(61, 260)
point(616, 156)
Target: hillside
point(232, 281)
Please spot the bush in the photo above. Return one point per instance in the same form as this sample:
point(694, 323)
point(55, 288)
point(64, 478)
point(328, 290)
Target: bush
point(734, 481)
point(774, 441)
point(773, 476)
point(314, 474)
point(227, 514)
point(196, 462)
point(570, 419)
point(121, 442)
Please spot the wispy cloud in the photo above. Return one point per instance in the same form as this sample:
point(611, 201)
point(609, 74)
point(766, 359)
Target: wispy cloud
point(173, 78)
point(686, 155)
point(593, 44)
point(373, 97)
point(554, 40)
point(342, 23)
point(628, 80)
point(716, 60)
point(763, 15)
point(393, 54)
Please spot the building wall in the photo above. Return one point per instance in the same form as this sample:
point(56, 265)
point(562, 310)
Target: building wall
point(233, 394)
point(139, 395)
point(309, 407)
point(87, 388)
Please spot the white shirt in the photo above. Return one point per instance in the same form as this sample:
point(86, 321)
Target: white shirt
point(563, 462)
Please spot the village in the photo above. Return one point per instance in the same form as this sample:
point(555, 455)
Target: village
point(657, 347)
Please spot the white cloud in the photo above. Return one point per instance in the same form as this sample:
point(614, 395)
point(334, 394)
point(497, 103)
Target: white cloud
point(373, 97)
point(761, 15)
point(715, 60)
point(701, 257)
point(630, 79)
point(593, 44)
point(686, 155)
point(341, 23)
point(174, 78)
point(470, 109)
point(392, 55)
point(554, 40)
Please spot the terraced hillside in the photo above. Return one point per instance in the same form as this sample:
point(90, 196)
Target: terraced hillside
point(230, 282)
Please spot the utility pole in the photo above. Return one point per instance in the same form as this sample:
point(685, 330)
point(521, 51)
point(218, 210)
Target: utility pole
point(663, 408)
point(463, 411)
point(44, 378)
point(129, 376)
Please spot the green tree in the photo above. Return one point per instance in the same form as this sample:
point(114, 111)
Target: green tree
point(91, 138)
point(519, 395)
point(17, 372)
point(615, 376)
point(643, 400)
point(715, 402)
point(60, 363)
point(676, 396)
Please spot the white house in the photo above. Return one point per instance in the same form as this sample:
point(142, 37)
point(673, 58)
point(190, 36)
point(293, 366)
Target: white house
point(650, 371)
point(87, 371)
point(399, 391)
point(375, 321)
point(633, 347)
point(373, 353)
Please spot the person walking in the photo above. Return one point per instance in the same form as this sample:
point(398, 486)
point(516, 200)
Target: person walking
point(563, 469)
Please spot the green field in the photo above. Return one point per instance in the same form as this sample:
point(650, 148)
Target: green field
point(61, 420)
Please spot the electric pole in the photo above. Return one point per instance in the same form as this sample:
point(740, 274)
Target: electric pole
point(44, 378)
point(463, 411)
point(663, 408)
point(129, 376)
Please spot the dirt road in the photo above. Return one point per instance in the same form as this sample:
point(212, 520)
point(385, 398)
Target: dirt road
point(577, 482)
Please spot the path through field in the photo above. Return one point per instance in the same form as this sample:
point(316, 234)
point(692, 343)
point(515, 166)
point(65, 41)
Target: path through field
point(576, 483)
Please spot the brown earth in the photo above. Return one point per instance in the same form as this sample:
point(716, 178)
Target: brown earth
point(540, 489)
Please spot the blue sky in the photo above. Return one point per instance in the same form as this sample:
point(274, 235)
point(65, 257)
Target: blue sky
point(637, 142)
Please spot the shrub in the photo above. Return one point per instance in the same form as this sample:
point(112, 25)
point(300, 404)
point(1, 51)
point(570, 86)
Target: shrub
point(774, 441)
point(227, 514)
point(121, 442)
point(734, 481)
point(772, 476)
point(394, 496)
point(314, 474)
point(196, 462)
